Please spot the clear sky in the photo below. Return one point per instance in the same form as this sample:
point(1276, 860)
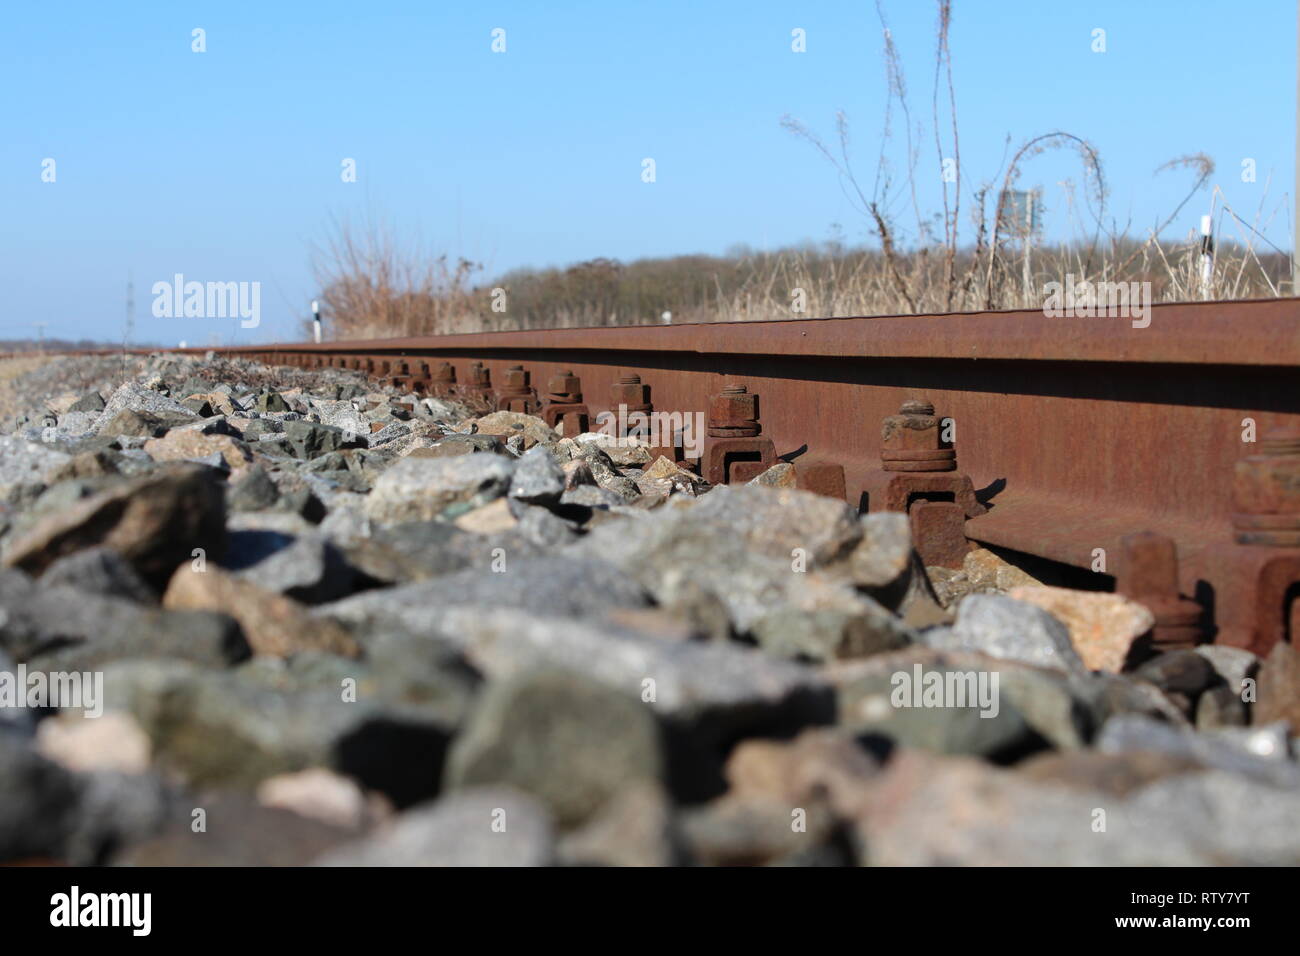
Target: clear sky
point(226, 165)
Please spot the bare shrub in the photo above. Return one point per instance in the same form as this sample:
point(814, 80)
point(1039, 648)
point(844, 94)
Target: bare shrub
point(372, 284)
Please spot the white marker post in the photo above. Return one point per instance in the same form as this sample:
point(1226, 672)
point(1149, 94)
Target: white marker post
point(1207, 257)
point(315, 316)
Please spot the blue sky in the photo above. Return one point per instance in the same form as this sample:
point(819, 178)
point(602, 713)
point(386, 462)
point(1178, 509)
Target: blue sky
point(225, 165)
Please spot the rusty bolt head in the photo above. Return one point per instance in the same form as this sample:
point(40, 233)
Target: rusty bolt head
point(1268, 481)
point(516, 378)
point(478, 375)
point(734, 405)
point(444, 373)
point(914, 428)
point(1266, 492)
point(912, 441)
point(629, 391)
point(564, 383)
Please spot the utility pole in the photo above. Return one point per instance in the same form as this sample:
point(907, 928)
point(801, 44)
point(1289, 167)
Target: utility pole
point(129, 327)
point(40, 336)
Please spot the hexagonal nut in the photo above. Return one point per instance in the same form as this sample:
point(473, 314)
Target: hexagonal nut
point(910, 432)
point(565, 383)
point(629, 393)
point(1263, 484)
point(733, 406)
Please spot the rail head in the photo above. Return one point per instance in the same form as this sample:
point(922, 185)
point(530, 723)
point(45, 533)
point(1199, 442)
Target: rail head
point(1254, 333)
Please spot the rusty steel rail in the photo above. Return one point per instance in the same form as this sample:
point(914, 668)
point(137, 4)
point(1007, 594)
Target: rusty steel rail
point(1166, 456)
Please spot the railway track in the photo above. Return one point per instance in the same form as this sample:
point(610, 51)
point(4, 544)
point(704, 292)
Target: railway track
point(1165, 459)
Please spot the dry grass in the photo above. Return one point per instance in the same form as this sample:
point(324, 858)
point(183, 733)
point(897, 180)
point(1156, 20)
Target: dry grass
point(794, 283)
point(373, 284)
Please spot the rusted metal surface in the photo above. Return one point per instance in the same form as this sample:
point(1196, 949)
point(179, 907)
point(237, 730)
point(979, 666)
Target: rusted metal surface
point(478, 382)
point(1074, 433)
point(439, 381)
point(1148, 573)
point(821, 477)
point(564, 409)
point(918, 476)
point(630, 409)
point(516, 393)
point(734, 451)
